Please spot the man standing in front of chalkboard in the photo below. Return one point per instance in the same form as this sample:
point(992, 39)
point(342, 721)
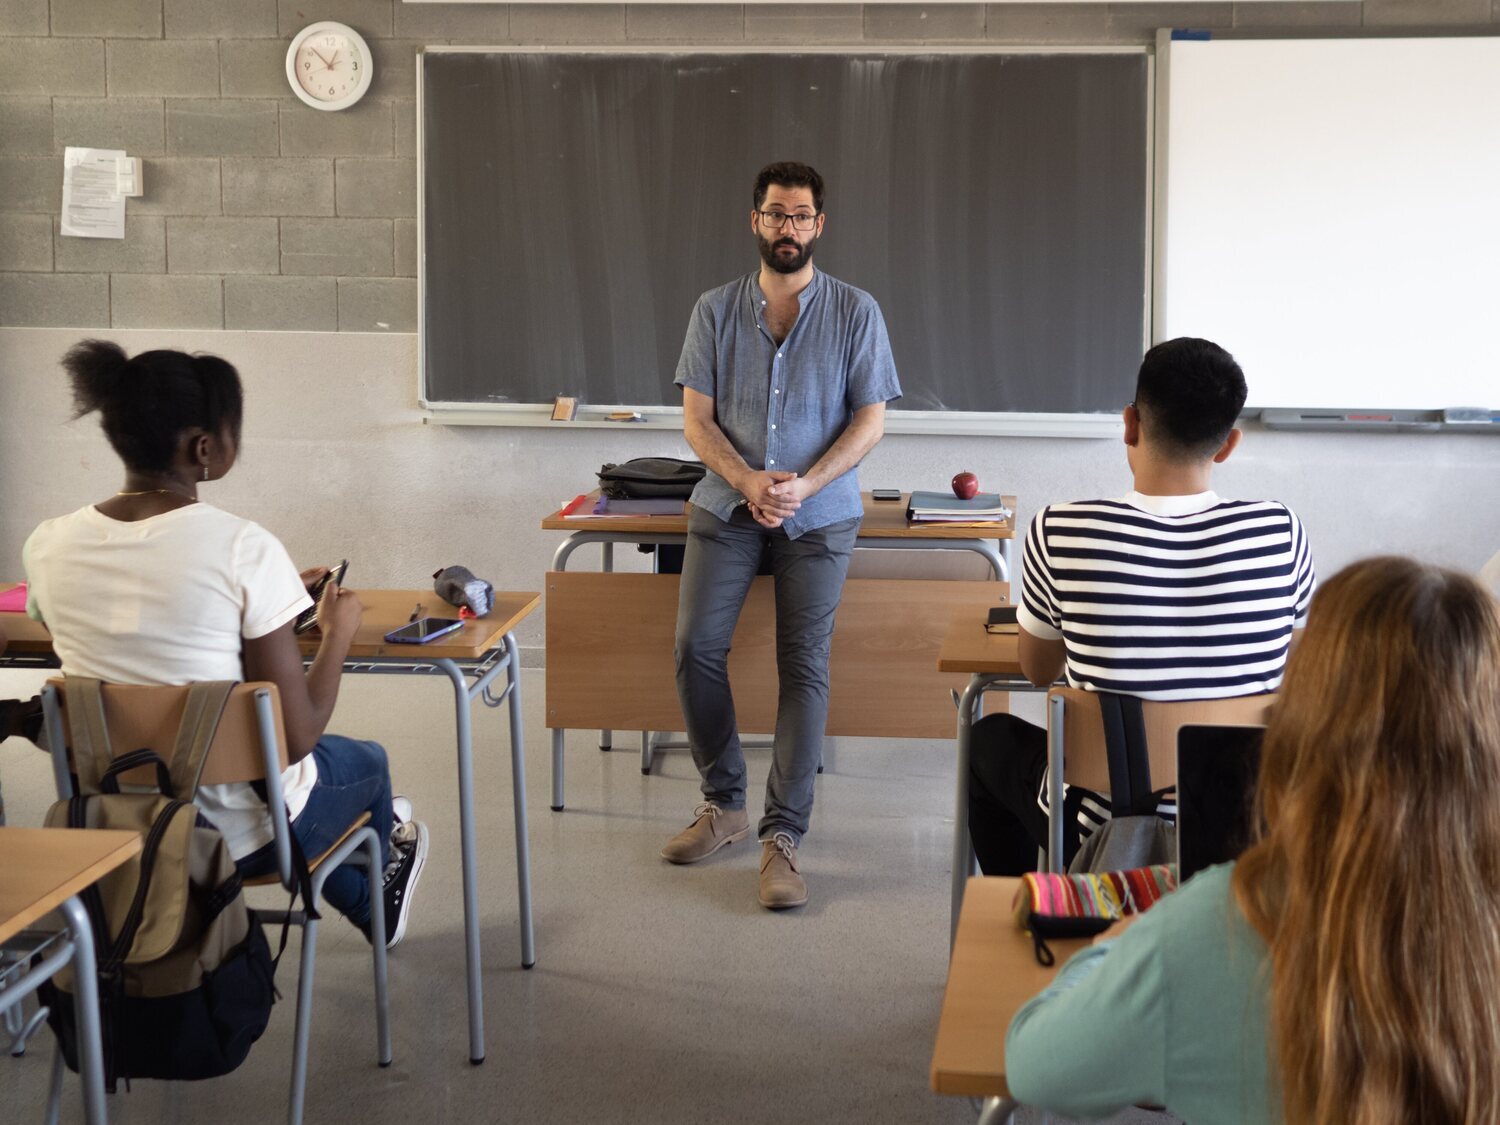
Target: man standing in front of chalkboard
point(785, 374)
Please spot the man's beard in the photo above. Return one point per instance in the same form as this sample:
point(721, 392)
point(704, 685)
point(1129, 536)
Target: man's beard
point(786, 265)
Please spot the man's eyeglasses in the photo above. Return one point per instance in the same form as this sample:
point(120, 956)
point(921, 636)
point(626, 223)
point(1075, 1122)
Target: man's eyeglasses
point(777, 219)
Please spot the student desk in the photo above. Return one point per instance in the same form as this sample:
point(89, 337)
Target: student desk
point(610, 636)
point(992, 973)
point(471, 659)
point(991, 661)
point(42, 870)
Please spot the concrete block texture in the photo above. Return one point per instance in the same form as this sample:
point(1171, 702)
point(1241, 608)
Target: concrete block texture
point(1138, 23)
point(371, 18)
point(1426, 13)
point(142, 250)
point(406, 128)
point(804, 23)
point(1298, 13)
point(187, 185)
point(133, 124)
point(283, 186)
point(145, 301)
point(54, 300)
point(473, 24)
point(1047, 23)
point(23, 17)
point(25, 243)
point(567, 23)
point(180, 68)
point(922, 22)
point(222, 127)
point(114, 19)
point(220, 19)
point(395, 63)
point(692, 23)
point(337, 247)
point(376, 187)
point(31, 183)
point(364, 129)
point(406, 248)
point(26, 126)
point(377, 305)
point(56, 67)
point(253, 68)
point(227, 245)
point(281, 304)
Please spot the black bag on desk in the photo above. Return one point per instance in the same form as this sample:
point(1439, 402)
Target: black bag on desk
point(645, 478)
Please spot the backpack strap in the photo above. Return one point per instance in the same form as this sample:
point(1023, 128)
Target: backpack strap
point(1125, 743)
point(90, 736)
point(195, 734)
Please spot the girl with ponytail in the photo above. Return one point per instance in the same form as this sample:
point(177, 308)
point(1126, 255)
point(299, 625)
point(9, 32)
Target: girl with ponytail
point(154, 586)
point(1347, 968)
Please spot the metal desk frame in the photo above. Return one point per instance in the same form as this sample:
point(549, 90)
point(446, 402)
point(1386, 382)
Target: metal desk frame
point(471, 680)
point(995, 552)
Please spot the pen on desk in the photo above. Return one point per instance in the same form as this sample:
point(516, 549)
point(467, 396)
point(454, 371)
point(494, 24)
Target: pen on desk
point(416, 613)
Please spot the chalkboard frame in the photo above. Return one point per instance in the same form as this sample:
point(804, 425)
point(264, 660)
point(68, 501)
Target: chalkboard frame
point(1104, 424)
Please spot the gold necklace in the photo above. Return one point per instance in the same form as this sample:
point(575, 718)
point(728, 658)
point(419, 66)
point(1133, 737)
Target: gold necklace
point(151, 491)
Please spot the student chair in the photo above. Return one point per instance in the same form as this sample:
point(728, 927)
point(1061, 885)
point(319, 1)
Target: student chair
point(248, 746)
point(1075, 733)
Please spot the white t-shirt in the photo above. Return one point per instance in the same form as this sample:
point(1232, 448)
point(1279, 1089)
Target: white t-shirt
point(169, 600)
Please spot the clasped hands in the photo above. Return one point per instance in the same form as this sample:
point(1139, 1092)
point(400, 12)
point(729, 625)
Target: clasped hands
point(773, 496)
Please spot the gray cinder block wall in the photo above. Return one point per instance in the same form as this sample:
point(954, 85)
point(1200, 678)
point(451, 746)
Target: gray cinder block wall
point(262, 213)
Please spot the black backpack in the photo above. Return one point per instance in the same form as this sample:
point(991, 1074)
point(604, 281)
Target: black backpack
point(646, 478)
point(186, 979)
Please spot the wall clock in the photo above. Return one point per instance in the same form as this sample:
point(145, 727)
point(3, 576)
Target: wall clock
point(329, 65)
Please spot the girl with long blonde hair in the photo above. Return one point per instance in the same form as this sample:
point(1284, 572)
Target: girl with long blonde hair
point(1347, 967)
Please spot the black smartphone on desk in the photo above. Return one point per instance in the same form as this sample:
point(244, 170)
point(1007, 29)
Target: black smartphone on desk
point(309, 617)
point(420, 632)
point(885, 494)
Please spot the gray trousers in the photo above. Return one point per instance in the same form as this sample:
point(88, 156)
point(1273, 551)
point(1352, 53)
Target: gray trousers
point(721, 559)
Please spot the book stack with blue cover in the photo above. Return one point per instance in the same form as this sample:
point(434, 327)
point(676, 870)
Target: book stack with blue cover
point(944, 507)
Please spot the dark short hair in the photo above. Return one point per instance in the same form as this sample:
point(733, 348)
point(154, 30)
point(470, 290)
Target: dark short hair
point(148, 402)
point(1189, 394)
point(788, 173)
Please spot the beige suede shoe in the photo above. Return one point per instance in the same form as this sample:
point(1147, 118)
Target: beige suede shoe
point(781, 882)
point(712, 829)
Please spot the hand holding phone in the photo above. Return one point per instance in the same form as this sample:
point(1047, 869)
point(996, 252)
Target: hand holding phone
point(309, 617)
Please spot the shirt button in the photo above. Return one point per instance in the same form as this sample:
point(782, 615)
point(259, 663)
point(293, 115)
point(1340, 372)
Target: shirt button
point(778, 355)
point(773, 425)
point(772, 462)
point(778, 390)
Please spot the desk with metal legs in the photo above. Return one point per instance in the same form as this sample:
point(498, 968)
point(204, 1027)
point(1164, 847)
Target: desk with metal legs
point(884, 527)
point(471, 660)
point(42, 870)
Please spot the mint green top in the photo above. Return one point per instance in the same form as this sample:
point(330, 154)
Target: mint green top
point(1172, 1013)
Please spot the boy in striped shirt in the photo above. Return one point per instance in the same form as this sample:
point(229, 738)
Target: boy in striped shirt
point(1167, 593)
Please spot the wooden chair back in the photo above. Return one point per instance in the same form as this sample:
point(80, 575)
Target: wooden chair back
point(1086, 760)
point(148, 716)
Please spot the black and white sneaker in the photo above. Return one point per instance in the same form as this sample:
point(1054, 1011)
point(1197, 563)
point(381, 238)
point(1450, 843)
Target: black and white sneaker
point(401, 874)
point(400, 809)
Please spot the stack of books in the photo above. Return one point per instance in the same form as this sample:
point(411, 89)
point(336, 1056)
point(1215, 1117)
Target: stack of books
point(944, 507)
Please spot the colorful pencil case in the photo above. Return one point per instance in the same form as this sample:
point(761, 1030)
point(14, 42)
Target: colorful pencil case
point(1052, 906)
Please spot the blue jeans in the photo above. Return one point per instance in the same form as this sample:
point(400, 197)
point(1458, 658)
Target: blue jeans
point(353, 777)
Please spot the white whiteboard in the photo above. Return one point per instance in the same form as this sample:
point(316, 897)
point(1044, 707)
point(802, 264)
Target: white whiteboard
point(1329, 211)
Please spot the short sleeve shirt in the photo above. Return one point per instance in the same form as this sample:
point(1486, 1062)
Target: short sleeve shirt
point(169, 600)
point(783, 405)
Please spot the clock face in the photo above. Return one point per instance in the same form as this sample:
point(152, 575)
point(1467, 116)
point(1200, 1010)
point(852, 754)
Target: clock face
point(328, 65)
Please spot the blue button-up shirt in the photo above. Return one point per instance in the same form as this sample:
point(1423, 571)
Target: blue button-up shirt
point(782, 406)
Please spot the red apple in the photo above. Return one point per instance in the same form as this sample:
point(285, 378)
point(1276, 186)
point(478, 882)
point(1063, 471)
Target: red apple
point(965, 486)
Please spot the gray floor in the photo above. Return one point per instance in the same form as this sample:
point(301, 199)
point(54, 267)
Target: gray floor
point(660, 994)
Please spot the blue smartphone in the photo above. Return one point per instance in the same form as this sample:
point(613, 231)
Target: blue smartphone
point(420, 632)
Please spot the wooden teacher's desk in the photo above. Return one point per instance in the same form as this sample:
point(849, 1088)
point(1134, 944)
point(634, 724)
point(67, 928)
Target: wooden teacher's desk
point(471, 659)
point(992, 973)
point(610, 636)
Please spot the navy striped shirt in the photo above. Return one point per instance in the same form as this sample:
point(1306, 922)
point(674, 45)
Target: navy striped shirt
point(1168, 597)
